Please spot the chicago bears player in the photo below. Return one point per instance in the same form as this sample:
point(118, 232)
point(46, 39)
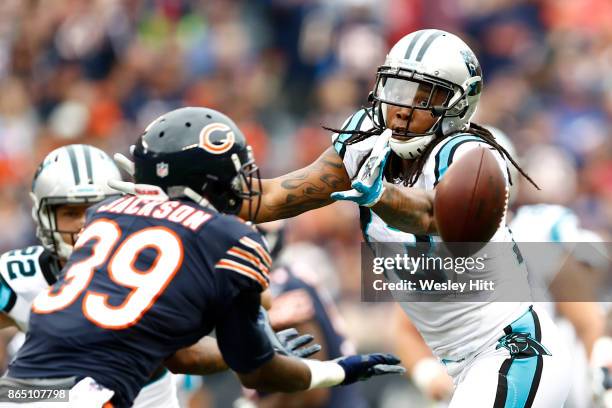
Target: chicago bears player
point(388, 159)
point(68, 181)
point(154, 272)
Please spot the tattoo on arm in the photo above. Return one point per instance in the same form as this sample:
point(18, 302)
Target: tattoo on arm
point(307, 188)
point(409, 211)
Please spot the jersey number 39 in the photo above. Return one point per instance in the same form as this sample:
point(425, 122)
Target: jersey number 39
point(146, 285)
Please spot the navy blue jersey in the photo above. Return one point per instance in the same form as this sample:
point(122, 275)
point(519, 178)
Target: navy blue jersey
point(145, 279)
point(297, 299)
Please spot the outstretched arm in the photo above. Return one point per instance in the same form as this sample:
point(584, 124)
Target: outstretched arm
point(202, 358)
point(409, 210)
point(302, 190)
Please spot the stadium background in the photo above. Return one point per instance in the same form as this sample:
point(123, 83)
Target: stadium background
point(97, 72)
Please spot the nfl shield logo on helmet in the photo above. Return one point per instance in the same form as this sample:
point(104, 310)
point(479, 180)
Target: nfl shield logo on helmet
point(162, 169)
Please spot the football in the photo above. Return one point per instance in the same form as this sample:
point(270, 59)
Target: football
point(471, 199)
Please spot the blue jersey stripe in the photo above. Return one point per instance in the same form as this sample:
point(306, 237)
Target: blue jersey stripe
point(555, 231)
point(6, 293)
point(525, 324)
point(356, 120)
point(521, 378)
point(444, 157)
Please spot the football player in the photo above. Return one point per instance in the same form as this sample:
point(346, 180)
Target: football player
point(154, 272)
point(574, 258)
point(68, 181)
point(388, 159)
point(536, 223)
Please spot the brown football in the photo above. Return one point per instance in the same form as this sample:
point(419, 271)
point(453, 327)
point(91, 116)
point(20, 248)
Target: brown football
point(471, 199)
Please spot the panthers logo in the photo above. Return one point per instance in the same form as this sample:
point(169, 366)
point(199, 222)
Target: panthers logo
point(473, 68)
point(222, 141)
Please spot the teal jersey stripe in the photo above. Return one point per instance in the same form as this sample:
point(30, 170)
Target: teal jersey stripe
point(5, 295)
point(446, 152)
point(520, 380)
point(352, 125)
point(555, 231)
point(525, 324)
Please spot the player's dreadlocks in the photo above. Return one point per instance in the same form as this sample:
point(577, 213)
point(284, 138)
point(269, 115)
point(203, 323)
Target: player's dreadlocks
point(396, 168)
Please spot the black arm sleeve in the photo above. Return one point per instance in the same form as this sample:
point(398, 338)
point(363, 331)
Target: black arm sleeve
point(242, 342)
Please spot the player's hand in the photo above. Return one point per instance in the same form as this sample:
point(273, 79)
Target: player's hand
point(368, 187)
point(293, 342)
point(432, 379)
point(363, 366)
point(287, 342)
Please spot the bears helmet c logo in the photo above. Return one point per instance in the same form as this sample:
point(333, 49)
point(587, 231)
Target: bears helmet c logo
point(220, 145)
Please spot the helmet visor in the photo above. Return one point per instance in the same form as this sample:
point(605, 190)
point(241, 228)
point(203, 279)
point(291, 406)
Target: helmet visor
point(410, 93)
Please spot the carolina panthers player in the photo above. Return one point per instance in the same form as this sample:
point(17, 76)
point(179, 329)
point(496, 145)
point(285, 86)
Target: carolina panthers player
point(573, 257)
point(154, 272)
point(388, 159)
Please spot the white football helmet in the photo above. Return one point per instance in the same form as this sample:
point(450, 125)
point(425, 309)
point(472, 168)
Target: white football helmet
point(434, 61)
point(71, 174)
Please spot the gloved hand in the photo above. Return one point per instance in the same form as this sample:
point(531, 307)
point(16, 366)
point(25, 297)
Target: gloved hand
point(367, 187)
point(363, 366)
point(287, 342)
point(293, 342)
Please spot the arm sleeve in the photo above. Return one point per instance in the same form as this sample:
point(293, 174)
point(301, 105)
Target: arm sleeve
point(242, 342)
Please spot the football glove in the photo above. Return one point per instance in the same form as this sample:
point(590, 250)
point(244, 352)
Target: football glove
point(368, 187)
point(287, 342)
point(363, 366)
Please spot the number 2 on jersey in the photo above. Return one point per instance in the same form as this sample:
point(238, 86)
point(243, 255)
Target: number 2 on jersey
point(146, 285)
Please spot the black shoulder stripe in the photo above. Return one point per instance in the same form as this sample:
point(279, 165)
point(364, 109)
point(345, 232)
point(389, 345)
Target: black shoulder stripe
point(357, 127)
point(427, 44)
point(535, 383)
point(73, 163)
point(437, 168)
point(502, 384)
point(451, 157)
point(49, 266)
point(536, 323)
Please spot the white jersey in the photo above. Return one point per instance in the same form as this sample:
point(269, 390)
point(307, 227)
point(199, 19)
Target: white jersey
point(558, 225)
point(24, 273)
point(453, 330)
point(544, 223)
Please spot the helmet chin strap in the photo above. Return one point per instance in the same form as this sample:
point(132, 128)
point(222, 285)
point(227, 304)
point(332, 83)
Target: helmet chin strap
point(411, 148)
